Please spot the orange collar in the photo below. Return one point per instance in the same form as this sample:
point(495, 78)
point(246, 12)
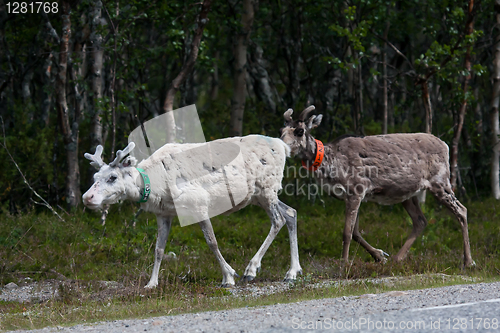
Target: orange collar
point(320, 153)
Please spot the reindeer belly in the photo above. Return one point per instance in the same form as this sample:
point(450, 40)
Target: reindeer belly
point(390, 200)
point(395, 187)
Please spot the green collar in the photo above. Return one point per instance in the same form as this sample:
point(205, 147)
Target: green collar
point(147, 186)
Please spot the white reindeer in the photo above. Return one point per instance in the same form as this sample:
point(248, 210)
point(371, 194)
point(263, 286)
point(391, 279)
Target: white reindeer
point(386, 169)
point(262, 164)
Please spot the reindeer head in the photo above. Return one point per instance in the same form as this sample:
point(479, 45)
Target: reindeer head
point(296, 133)
point(111, 182)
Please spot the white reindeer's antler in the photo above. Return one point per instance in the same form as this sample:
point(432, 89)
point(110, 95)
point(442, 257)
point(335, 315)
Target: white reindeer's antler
point(120, 154)
point(96, 160)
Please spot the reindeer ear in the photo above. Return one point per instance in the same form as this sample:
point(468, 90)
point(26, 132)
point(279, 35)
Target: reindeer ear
point(314, 121)
point(129, 161)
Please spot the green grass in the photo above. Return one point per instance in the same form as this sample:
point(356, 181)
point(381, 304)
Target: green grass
point(34, 245)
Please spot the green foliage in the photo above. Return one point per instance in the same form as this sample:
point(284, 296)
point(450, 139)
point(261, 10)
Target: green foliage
point(356, 32)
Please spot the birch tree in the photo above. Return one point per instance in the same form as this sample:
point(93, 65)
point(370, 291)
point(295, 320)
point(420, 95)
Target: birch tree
point(96, 62)
point(69, 127)
point(240, 69)
point(187, 68)
point(469, 29)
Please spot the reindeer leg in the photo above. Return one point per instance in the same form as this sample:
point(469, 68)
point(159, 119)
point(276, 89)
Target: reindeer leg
point(445, 195)
point(228, 273)
point(351, 212)
point(277, 222)
point(290, 216)
point(164, 224)
point(419, 223)
point(377, 254)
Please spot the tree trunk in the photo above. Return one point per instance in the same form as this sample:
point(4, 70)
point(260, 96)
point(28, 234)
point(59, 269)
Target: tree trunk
point(240, 70)
point(26, 91)
point(479, 118)
point(5, 53)
point(96, 61)
point(186, 69)
point(495, 101)
point(112, 85)
point(384, 74)
point(359, 97)
point(47, 93)
point(350, 89)
point(188, 89)
point(262, 85)
point(426, 99)
point(463, 108)
point(214, 90)
point(69, 132)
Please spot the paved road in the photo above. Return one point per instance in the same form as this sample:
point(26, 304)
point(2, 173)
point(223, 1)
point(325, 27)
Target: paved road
point(461, 308)
point(482, 316)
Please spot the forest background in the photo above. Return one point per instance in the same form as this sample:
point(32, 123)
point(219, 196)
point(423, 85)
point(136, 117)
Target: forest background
point(77, 74)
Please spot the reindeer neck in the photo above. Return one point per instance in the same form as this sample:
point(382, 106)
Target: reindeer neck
point(134, 189)
point(309, 153)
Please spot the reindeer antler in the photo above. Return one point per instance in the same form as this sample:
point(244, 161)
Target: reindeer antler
point(303, 114)
point(96, 160)
point(288, 115)
point(120, 154)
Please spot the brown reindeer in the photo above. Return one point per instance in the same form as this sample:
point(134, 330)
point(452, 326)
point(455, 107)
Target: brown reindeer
point(386, 169)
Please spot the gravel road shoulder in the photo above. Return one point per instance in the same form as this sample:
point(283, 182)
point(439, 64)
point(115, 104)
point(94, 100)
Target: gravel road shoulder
point(284, 317)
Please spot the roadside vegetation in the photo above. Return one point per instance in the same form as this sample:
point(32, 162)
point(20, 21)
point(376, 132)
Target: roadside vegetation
point(82, 252)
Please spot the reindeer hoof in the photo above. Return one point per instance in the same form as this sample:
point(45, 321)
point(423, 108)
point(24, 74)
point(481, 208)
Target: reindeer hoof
point(381, 256)
point(291, 276)
point(247, 278)
point(383, 260)
point(236, 275)
point(287, 280)
point(227, 285)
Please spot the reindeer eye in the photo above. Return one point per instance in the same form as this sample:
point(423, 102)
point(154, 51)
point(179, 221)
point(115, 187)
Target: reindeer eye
point(298, 132)
point(112, 179)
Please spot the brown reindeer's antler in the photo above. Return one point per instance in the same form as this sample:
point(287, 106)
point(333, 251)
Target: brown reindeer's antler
point(120, 154)
point(96, 160)
point(288, 115)
point(303, 114)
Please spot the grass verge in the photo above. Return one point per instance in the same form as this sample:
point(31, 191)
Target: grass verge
point(40, 247)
